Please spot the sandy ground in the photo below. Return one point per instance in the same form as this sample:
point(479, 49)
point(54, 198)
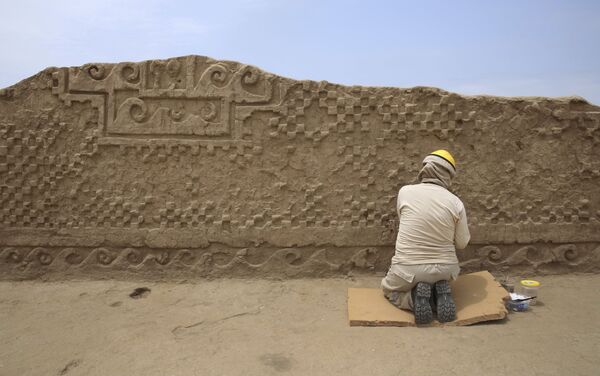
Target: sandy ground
point(296, 327)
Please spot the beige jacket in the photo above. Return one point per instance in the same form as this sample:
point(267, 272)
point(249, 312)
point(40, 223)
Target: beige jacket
point(432, 225)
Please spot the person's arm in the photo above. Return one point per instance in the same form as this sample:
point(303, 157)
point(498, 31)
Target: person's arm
point(399, 202)
point(461, 231)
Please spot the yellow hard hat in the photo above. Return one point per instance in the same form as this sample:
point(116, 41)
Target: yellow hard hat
point(444, 154)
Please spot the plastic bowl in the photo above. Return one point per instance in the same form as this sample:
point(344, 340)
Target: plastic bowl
point(516, 302)
point(517, 306)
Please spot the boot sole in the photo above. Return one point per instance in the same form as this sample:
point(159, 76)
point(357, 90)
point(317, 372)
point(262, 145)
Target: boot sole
point(446, 309)
point(421, 307)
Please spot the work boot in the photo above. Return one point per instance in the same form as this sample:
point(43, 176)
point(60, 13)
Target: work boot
point(421, 294)
point(446, 309)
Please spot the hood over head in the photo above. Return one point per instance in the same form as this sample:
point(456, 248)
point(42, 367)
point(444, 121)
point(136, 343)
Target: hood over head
point(437, 170)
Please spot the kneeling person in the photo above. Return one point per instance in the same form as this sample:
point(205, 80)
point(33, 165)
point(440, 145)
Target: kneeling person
point(432, 225)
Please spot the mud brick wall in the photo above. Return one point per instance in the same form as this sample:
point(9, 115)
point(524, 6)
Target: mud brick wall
point(191, 167)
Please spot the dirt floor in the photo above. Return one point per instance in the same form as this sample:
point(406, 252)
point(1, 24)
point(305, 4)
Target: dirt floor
point(294, 327)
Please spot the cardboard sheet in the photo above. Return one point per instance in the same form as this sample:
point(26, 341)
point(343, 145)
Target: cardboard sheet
point(478, 297)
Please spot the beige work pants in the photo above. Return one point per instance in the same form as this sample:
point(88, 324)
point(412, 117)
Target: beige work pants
point(400, 280)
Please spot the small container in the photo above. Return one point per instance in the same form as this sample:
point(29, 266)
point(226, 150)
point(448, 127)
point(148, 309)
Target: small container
point(517, 303)
point(517, 306)
point(529, 288)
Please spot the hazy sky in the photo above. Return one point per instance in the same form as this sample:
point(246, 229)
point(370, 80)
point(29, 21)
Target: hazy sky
point(545, 47)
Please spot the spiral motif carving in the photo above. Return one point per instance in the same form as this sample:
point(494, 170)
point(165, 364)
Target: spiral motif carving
point(571, 254)
point(95, 71)
point(13, 256)
point(293, 257)
point(138, 110)
point(132, 256)
point(491, 253)
point(566, 253)
point(208, 111)
point(177, 115)
point(206, 259)
point(216, 75)
point(43, 256)
point(130, 73)
point(538, 257)
point(162, 258)
point(250, 76)
point(72, 257)
point(104, 256)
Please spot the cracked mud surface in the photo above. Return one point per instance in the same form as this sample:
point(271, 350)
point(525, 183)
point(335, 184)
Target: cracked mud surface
point(298, 327)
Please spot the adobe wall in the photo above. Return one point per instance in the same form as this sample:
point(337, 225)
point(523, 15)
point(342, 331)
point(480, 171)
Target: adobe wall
point(191, 167)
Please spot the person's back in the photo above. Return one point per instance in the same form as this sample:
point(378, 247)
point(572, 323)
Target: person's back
point(432, 225)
